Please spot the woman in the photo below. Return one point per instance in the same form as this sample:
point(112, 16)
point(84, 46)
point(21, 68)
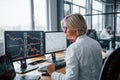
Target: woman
point(83, 57)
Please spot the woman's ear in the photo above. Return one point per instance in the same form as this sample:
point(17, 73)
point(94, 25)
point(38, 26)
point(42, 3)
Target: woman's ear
point(78, 32)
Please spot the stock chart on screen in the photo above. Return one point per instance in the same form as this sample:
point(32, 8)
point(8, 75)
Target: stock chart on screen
point(24, 44)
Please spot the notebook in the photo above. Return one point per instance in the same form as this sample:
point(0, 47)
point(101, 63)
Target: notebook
point(7, 71)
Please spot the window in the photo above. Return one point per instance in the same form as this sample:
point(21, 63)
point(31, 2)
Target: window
point(75, 6)
point(97, 18)
point(118, 23)
point(40, 15)
point(98, 13)
point(16, 15)
point(118, 20)
point(82, 11)
point(80, 2)
point(97, 5)
point(67, 9)
point(76, 9)
point(68, 0)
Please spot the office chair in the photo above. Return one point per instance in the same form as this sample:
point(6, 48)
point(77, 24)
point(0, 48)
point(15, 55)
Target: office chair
point(111, 67)
point(105, 43)
point(92, 33)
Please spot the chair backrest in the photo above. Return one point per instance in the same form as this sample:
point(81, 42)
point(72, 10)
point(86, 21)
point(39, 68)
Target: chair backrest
point(7, 71)
point(105, 43)
point(92, 33)
point(111, 67)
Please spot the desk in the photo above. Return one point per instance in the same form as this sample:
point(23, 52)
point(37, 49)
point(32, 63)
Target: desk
point(49, 78)
point(36, 72)
point(106, 43)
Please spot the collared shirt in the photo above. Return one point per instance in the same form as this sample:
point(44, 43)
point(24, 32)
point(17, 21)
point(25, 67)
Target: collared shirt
point(83, 60)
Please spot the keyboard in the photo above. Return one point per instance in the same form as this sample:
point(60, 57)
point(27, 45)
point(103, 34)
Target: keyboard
point(27, 77)
point(57, 66)
point(27, 69)
point(37, 62)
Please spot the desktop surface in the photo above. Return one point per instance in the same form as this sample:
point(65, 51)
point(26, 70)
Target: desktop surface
point(36, 72)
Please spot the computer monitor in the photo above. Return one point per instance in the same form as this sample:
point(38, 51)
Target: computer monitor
point(54, 42)
point(21, 45)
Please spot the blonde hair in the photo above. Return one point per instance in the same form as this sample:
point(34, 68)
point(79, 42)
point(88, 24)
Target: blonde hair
point(75, 21)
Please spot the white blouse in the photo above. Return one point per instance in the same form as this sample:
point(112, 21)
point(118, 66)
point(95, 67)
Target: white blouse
point(83, 60)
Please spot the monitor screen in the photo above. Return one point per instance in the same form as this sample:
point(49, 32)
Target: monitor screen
point(55, 41)
point(24, 44)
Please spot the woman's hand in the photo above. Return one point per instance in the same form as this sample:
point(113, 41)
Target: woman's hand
point(51, 69)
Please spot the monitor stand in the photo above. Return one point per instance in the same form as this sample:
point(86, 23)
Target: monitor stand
point(54, 59)
point(24, 67)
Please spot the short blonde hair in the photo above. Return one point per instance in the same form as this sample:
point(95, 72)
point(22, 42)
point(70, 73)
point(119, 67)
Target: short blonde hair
point(75, 21)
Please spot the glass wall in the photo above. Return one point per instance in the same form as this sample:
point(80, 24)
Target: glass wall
point(96, 18)
point(99, 15)
point(74, 6)
point(40, 13)
point(16, 15)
